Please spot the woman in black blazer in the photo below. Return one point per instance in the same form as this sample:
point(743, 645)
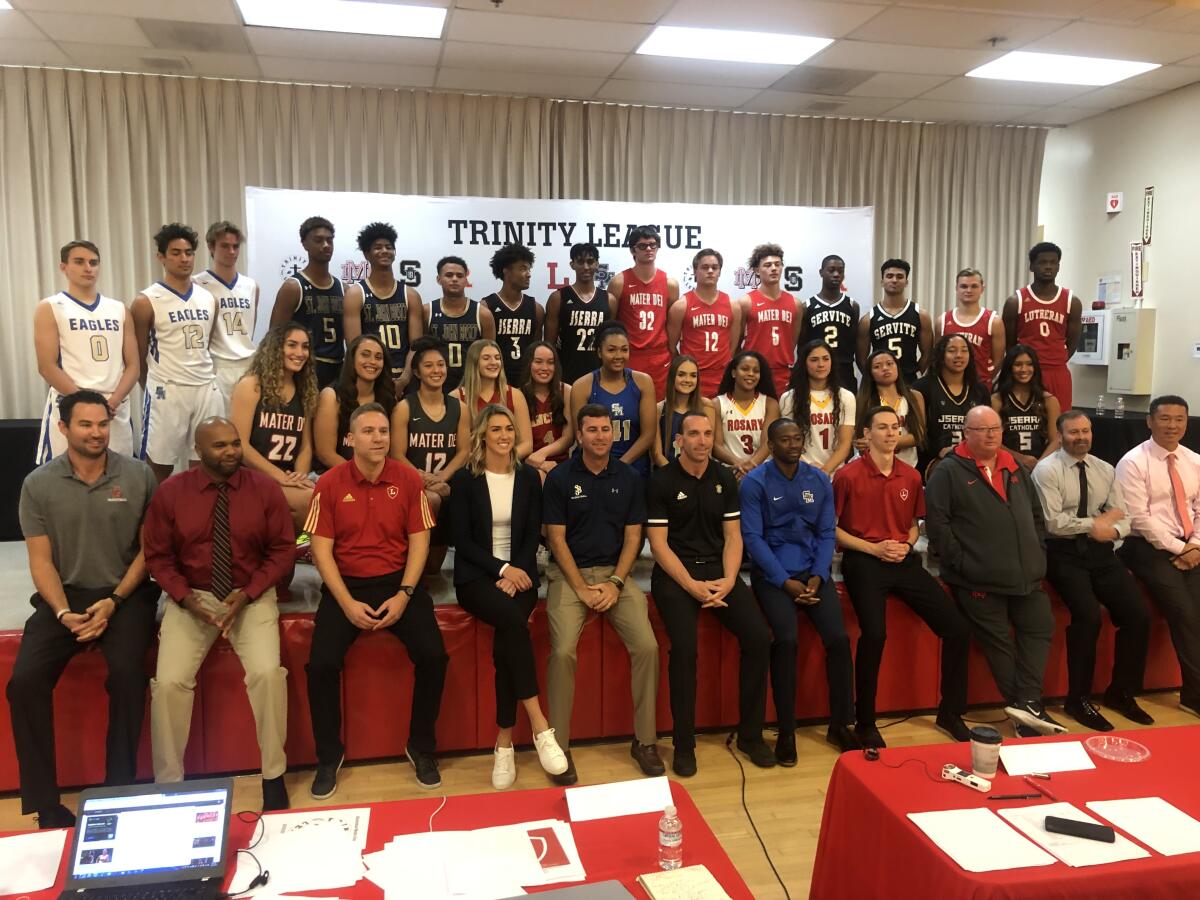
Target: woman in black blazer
point(496, 515)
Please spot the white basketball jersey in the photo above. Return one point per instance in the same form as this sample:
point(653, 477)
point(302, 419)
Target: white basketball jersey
point(237, 314)
point(91, 340)
point(178, 352)
point(823, 430)
point(743, 427)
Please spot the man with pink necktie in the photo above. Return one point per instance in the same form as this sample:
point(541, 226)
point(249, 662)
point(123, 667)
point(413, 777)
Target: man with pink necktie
point(1160, 481)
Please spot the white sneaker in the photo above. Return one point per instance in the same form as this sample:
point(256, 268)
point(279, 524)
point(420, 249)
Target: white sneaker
point(550, 755)
point(504, 768)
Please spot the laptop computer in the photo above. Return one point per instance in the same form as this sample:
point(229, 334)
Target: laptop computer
point(150, 840)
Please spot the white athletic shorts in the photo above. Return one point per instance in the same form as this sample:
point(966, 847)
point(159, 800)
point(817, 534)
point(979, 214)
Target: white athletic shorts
point(170, 414)
point(52, 443)
point(228, 373)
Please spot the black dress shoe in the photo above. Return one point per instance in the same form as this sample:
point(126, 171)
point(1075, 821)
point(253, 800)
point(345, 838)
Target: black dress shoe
point(869, 736)
point(275, 795)
point(952, 726)
point(1126, 706)
point(647, 758)
point(843, 738)
point(757, 751)
point(1084, 711)
point(57, 816)
point(569, 777)
point(785, 749)
point(684, 763)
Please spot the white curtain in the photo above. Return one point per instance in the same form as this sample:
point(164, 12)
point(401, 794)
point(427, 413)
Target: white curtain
point(111, 157)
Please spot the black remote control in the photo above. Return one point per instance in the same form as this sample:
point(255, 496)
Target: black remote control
point(1057, 825)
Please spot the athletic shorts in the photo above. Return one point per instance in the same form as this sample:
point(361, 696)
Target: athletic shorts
point(654, 362)
point(170, 414)
point(52, 443)
point(228, 373)
point(1057, 381)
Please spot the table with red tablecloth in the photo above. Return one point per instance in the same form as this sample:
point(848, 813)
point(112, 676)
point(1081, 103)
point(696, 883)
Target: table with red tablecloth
point(622, 848)
point(870, 848)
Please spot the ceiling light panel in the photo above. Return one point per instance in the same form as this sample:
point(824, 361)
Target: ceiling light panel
point(732, 46)
point(350, 16)
point(1055, 68)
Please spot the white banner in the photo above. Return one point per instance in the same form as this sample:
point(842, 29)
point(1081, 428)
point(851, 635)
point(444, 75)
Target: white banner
point(475, 227)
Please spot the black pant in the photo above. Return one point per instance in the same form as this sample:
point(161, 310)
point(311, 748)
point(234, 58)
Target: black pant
point(46, 648)
point(1177, 594)
point(332, 636)
point(826, 616)
point(680, 613)
point(512, 649)
point(1087, 573)
point(1014, 632)
point(869, 580)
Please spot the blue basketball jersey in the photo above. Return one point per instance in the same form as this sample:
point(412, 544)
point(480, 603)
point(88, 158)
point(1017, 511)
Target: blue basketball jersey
point(627, 423)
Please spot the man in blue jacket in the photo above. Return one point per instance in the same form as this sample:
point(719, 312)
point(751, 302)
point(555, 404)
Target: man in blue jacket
point(788, 526)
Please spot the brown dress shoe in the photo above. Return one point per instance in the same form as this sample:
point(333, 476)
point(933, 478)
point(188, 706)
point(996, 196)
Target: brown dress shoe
point(646, 756)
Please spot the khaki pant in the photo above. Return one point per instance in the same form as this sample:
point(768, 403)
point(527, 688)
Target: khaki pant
point(567, 615)
point(183, 643)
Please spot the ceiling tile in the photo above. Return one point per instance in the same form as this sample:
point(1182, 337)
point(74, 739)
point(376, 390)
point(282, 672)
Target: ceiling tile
point(1062, 9)
point(501, 28)
point(697, 96)
point(1088, 39)
point(1111, 97)
point(821, 19)
point(302, 70)
point(31, 53)
point(1192, 61)
point(150, 59)
point(948, 111)
point(1174, 18)
point(986, 90)
point(16, 26)
point(92, 29)
point(360, 48)
point(1056, 115)
point(1165, 79)
point(901, 58)
point(521, 83)
point(892, 84)
point(818, 104)
point(222, 12)
point(1124, 12)
point(603, 10)
point(698, 71)
point(502, 57)
point(944, 28)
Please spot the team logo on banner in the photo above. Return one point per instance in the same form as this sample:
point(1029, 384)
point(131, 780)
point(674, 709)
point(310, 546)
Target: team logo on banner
point(291, 266)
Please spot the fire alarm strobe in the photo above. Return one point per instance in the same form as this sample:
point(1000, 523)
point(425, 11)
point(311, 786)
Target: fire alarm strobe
point(951, 772)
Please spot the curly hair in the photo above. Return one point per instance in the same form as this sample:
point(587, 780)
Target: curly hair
point(761, 252)
point(798, 384)
point(373, 232)
point(937, 358)
point(509, 255)
point(267, 366)
point(173, 232)
point(346, 386)
point(868, 399)
point(766, 382)
point(558, 412)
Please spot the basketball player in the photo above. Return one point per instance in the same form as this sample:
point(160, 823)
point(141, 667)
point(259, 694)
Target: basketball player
point(1046, 317)
point(704, 324)
point(518, 316)
point(315, 298)
point(574, 312)
point(983, 329)
point(832, 316)
point(173, 319)
point(237, 306)
point(897, 324)
point(84, 340)
point(455, 319)
point(639, 298)
point(381, 305)
point(771, 315)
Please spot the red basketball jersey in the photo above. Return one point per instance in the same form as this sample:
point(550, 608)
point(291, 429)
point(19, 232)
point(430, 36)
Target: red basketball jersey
point(642, 309)
point(1043, 325)
point(705, 336)
point(770, 330)
point(542, 423)
point(979, 336)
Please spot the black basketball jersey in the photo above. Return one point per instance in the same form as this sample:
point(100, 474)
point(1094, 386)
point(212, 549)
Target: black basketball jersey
point(837, 325)
point(577, 324)
point(514, 332)
point(387, 319)
point(458, 333)
point(276, 433)
point(946, 413)
point(320, 311)
point(900, 334)
point(431, 445)
point(1023, 427)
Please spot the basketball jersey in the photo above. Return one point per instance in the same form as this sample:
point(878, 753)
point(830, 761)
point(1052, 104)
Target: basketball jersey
point(770, 330)
point(1023, 430)
point(642, 308)
point(91, 340)
point(1042, 324)
point(743, 427)
point(458, 333)
point(946, 414)
point(544, 431)
point(899, 333)
point(823, 430)
point(624, 407)
point(178, 346)
point(276, 433)
point(909, 455)
point(320, 311)
point(668, 427)
point(705, 337)
point(837, 325)
point(480, 402)
point(514, 331)
point(979, 335)
point(237, 314)
point(577, 324)
point(387, 319)
point(431, 445)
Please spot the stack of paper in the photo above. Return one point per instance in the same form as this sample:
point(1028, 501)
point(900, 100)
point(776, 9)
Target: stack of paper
point(29, 862)
point(1154, 822)
point(1060, 756)
point(979, 841)
point(309, 851)
point(1074, 851)
point(619, 798)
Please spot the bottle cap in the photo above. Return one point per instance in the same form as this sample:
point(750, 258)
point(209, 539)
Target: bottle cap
point(670, 810)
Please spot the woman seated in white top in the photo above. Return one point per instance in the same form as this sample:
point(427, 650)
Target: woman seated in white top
point(746, 407)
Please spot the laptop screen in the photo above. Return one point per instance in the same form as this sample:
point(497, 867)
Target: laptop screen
point(156, 833)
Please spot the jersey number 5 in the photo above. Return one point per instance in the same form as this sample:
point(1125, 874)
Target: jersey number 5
point(894, 344)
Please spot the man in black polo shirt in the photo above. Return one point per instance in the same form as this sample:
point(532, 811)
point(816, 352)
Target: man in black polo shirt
point(694, 528)
point(594, 509)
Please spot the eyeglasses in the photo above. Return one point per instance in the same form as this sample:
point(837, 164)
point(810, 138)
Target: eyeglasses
point(987, 429)
point(646, 245)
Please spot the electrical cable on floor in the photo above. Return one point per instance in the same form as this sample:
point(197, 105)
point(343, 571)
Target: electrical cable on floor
point(750, 818)
point(263, 876)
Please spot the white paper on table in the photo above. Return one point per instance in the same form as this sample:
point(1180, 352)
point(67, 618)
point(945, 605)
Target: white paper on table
point(29, 862)
point(619, 798)
point(572, 870)
point(483, 859)
point(1061, 756)
point(353, 821)
point(414, 864)
point(1074, 851)
point(978, 841)
point(1153, 821)
point(321, 855)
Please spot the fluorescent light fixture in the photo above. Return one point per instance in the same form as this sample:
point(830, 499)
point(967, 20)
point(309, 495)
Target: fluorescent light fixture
point(4, 4)
point(1055, 68)
point(721, 45)
point(351, 16)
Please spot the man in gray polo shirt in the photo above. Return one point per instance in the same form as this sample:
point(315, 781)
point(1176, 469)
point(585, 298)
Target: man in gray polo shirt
point(81, 514)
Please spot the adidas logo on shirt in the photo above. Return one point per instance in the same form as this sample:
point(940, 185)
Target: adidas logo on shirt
point(681, 496)
point(349, 498)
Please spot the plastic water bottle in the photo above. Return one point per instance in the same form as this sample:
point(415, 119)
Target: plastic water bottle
point(1119, 407)
point(1099, 406)
point(670, 840)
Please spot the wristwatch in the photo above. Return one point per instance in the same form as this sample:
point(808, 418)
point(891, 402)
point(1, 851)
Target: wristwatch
point(117, 599)
point(407, 589)
point(617, 580)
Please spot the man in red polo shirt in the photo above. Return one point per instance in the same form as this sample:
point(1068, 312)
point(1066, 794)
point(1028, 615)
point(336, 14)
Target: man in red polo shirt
point(878, 499)
point(370, 542)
